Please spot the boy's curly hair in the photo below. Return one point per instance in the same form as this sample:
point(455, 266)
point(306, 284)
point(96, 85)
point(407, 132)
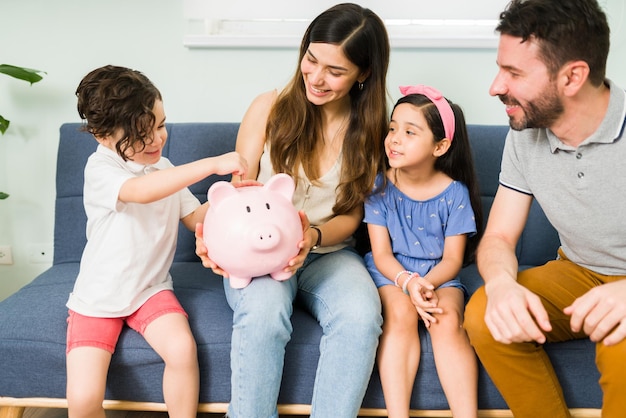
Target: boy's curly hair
point(113, 99)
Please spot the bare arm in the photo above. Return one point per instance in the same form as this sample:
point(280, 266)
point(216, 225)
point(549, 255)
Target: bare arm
point(451, 262)
point(382, 252)
point(196, 217)
point(250, 143)
point(496, 253)
point(251, 135)
point(514, 314)
point(335, 231)
point(163, 183)
point(340, 227)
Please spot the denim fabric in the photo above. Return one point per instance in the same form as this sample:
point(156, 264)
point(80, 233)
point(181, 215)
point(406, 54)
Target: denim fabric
point(337, 290)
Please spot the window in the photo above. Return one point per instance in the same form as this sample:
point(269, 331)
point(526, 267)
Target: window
point(281, 23)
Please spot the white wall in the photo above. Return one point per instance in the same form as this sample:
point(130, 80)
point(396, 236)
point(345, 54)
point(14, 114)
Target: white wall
point(68, 38)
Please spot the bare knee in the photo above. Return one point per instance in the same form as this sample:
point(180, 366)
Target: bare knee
point(181, 352)
point(84, 402)
point(87, 369)
point(449, 323)
point(400, 316)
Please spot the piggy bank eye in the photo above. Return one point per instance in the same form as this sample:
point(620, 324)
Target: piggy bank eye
point(267, 205)
point(248, 209)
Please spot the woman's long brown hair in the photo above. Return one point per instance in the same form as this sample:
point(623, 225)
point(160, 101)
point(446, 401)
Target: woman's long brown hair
point(295, 124)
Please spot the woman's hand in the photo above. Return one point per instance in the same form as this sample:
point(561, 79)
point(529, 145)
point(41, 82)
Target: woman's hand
point(245, 182)
point(203, 252)
point(308, 239)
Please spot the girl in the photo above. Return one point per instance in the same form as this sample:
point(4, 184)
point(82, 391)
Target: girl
point(419, 220)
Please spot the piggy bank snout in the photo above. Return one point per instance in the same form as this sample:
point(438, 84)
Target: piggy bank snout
point(264, 237)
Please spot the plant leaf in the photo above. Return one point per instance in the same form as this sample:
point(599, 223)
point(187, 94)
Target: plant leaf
point(4, 124)
point(3, 195)
point(27, 74)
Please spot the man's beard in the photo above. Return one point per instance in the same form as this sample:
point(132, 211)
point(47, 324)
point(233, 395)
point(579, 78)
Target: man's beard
point(540, 113)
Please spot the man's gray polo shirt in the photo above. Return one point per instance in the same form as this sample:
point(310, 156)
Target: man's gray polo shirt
point(582, 190)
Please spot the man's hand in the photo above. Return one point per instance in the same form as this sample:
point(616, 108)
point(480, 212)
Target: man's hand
point(515, 314)
point(601, 313)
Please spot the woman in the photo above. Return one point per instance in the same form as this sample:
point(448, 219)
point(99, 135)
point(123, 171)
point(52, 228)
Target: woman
point(326, 129)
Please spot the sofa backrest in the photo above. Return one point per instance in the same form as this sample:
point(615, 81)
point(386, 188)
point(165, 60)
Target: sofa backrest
point(191, 141)
point(539, 241)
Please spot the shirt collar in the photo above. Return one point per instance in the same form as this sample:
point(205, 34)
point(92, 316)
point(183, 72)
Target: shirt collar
point(132, 166)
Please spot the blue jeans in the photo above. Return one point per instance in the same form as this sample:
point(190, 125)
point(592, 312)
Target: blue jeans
point(338, 291)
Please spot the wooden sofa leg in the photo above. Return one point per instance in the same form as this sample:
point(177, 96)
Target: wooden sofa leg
point(12, 411)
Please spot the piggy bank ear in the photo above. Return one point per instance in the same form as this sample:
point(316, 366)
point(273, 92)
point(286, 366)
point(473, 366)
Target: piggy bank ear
point(282, 184)
point(219, 191)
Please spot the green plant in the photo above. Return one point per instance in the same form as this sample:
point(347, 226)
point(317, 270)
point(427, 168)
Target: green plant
point(26, 74)
point(21, 73)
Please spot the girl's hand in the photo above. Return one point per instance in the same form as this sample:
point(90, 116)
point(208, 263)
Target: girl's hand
point(305, 245)
point(423, 296)
point(427, 313)
point(203, 252)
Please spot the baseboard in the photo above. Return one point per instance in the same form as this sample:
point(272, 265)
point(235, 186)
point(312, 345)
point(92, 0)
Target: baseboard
point(14, 408)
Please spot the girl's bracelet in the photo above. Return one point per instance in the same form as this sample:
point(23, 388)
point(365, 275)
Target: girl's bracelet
point(406, 282)
point(395, 281)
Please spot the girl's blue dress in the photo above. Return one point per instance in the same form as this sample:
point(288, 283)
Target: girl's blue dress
point(417, 228)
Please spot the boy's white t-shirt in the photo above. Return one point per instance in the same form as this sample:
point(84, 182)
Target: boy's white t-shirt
point(130, 246)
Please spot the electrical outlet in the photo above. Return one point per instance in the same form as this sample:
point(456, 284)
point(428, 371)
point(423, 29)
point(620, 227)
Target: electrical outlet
point(6, 255)
point(40, 253)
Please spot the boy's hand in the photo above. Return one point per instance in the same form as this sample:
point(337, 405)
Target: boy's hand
point(231, 163)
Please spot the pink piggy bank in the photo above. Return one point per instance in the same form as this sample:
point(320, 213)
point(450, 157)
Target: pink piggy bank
point(253, 230)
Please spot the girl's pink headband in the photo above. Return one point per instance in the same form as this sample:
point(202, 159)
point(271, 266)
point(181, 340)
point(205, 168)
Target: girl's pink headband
point(445, 111)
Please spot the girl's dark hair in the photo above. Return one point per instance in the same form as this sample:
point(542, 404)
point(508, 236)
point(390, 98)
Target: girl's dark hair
point(565, 30)
point(112, 98)
point(457, 162)
point(294, 124)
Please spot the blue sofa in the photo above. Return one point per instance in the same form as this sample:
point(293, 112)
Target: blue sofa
point(32, 321)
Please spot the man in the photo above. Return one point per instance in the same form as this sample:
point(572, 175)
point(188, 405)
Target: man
point(567, 149)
